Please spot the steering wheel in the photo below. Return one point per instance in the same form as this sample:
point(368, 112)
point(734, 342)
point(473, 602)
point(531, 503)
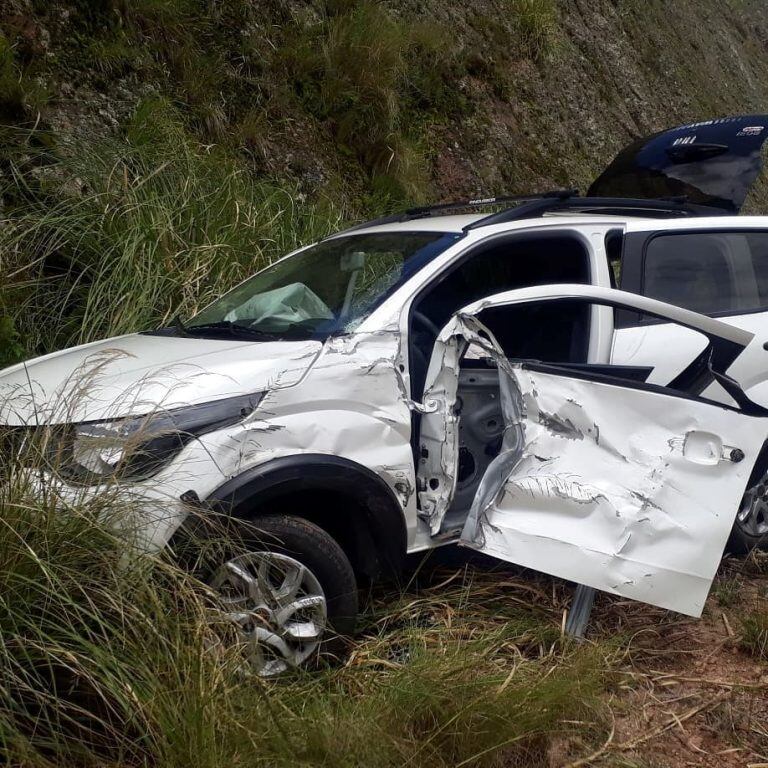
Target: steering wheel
point(421, 318)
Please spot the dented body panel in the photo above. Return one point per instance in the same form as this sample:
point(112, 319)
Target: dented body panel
point(621, 486)
point(305, 410)
point(629, 491)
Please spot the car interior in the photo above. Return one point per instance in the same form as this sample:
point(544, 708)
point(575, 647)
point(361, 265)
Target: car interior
point(555, 332)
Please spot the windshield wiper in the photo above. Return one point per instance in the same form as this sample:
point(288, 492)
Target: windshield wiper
point(178, 324)
point(228, 328)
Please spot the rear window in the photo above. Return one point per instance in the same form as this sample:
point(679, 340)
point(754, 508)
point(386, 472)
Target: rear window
point(708, 272)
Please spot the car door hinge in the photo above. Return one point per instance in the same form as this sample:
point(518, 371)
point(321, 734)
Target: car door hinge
point(428, 406)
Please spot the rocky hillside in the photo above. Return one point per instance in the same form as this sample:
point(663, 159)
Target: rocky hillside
point(381, 103)
point(153, 152)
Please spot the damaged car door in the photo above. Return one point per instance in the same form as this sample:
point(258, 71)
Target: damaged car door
point(600, 478)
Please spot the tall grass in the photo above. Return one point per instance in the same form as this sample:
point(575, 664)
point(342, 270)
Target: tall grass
point(112, 657)
point(105, 658)
point(122, 234)
point(535, 22)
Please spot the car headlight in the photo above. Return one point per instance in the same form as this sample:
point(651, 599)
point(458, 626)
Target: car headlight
point(138, 447)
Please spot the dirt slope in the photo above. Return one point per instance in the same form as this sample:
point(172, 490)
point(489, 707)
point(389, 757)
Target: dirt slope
point(383, 103)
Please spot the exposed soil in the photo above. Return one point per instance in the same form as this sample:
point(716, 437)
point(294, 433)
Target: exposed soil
point(679, 691)
point(688, 694)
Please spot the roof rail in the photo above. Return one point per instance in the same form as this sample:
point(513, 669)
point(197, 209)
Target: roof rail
point(533, 206)
point(660, 208)
point(423, 212)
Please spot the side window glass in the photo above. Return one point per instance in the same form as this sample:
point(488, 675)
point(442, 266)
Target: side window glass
point(690, 270)
point(708, 272)
point(758, 247)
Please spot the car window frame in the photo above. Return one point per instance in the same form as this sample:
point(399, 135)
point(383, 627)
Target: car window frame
point(344, 235)
point(490, 241)
point(636, 275)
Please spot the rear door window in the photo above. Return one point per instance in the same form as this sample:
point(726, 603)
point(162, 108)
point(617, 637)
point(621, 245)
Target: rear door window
point(715, 273)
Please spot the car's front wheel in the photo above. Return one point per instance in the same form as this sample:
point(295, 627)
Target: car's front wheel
point(290, 589)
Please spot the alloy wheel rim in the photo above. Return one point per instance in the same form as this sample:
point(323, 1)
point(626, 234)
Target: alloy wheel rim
point(753, 513)
point(278, 605)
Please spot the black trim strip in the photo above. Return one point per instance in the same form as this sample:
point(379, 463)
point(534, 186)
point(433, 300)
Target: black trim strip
point(746, 406)
point(255, 487)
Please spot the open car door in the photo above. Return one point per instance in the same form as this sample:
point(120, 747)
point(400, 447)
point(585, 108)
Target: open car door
point(601, 479)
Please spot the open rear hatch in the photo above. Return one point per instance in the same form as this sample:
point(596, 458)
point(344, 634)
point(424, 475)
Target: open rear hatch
point(712, 163)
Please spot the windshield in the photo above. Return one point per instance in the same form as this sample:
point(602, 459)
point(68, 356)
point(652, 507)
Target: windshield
point(327, 288)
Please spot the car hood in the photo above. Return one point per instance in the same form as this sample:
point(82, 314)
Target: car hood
point(136, 374)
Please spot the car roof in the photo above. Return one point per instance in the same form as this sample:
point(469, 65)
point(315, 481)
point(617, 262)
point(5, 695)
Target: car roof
point(457, 223)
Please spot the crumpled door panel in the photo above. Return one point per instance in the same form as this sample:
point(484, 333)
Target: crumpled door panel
point(607, 481)
point(631, 491)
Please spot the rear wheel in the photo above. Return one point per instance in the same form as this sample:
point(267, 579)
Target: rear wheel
point(291, 590)
point(750, 529)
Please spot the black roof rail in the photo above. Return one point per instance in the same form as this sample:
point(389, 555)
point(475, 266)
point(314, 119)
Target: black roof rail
point(533, 206)
point(426, 211)
point(616, 206)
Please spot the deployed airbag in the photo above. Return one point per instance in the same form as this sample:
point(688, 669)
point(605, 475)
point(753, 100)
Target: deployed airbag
point(292, 303)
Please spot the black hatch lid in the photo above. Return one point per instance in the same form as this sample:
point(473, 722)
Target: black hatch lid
point(712, 163)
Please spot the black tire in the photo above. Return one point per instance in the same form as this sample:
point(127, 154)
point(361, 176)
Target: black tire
point(321, 553)
point(750, 528)
point(741, 542)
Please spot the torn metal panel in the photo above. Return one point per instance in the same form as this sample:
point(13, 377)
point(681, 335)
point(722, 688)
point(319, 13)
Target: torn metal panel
point(629, 491)
point(439, 432)
point(622, 488)
point(352, 403)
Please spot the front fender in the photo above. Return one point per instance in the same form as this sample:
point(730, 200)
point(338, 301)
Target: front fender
point(250, 494)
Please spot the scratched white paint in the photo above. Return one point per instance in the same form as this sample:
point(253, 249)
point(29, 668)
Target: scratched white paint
point(626, 490)
point(344, 398)
point(629, 491)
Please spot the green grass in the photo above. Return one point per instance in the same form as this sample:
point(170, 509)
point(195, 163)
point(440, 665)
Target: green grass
point(535, 22)
point(353, 71)
point(113, 657)
point(123, 234)
point(754, 637)
point(727, 591)
point(373, 78)
point(105, 657)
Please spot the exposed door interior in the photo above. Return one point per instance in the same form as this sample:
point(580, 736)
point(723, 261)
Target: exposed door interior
point(555, 332)
point(481, 425)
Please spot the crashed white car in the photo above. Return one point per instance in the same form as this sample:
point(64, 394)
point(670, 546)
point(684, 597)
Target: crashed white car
point(434, 378)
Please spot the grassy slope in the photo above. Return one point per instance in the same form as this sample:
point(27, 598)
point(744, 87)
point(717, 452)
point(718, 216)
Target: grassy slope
point(305, 114)
point(152, 153)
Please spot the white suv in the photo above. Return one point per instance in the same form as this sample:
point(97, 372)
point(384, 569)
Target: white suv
point(434, 378)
